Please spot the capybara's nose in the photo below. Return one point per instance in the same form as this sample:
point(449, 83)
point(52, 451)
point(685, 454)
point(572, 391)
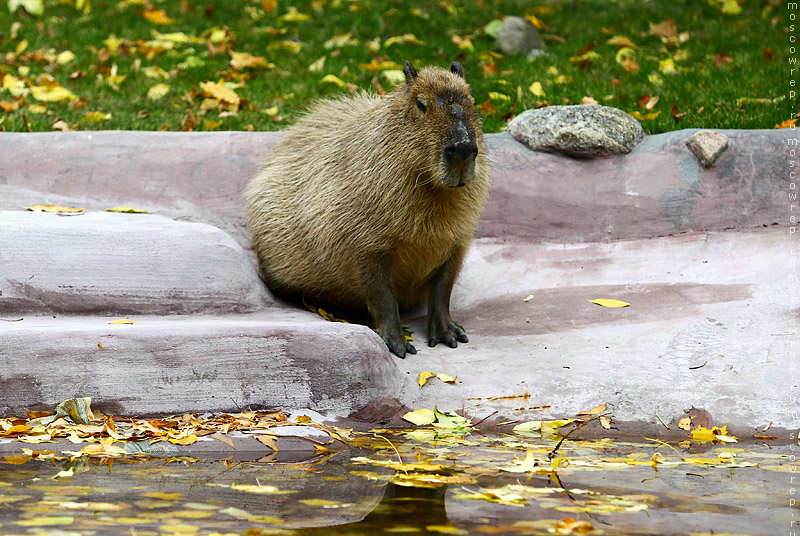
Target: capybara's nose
point(464, 151)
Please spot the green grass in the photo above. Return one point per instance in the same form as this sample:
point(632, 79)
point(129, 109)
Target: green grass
point(748, 91)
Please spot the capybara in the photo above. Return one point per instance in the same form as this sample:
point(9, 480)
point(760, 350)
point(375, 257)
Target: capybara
point(370, 203)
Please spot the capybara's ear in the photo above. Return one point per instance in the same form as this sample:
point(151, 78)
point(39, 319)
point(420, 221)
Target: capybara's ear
point(456, 68)
point(410, 73)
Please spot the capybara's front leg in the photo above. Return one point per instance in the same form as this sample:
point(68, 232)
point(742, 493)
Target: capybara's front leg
point(441, 327)
point(382, 306)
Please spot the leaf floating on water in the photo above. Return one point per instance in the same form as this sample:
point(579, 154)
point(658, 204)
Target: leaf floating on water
point(606, 302)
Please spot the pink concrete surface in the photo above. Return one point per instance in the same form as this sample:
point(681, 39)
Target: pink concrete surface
point(703, 256)
point(659, 188)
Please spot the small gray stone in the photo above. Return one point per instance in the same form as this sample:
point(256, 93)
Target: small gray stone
point(585, 130)
point(519, 36)
point(707, 146)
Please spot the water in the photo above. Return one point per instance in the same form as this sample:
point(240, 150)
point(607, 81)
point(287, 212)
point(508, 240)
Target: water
point(501, 484)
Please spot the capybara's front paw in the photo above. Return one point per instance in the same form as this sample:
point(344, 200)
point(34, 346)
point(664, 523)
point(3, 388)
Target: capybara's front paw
point(449, 332)
point(399, 346)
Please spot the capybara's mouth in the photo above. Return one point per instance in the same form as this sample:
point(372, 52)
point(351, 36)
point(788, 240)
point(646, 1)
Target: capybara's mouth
point(458, 176)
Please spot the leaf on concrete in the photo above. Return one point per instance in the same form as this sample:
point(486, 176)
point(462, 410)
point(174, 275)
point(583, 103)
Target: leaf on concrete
point(122, 321)
point(53, 208)
point(424, 376)
point(420, 417)
point(127, 210)
point(607, 302)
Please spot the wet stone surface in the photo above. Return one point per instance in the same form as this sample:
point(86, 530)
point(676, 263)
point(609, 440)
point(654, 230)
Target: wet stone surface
point(475, 484)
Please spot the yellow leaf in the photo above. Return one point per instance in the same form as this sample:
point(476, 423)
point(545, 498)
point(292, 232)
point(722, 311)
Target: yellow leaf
point(394, 76)
point(220, 92)
point(154, 71)
point(14, 85)
point(65, 473)
point(46, 521)
point(420, 417)
point(536, 22)
point(208, 124)
point(96, 117)
point(122, 321)
point(641, 117)
point(621, 41)
point(292, 15)
point(53, 208)
point(320, 502)
point(175, 37)
point(112, 43)
point(605, 302)
point(424, 377)
point(52, 93)
point(339, 41)
point(528, 298)
point(495, 96)
point(37, 108)
point(667, 66)
point(127, 210)
point(244, 60)
point(446, 378)
point(65, 57)
point(157, 91)
point(685, 423)
point(316, 66)
point(333, 79)
point(188, 440)
point(405, 39)
point(157, 16)
point(595, 410)
point(292, 46)
point(537, 90)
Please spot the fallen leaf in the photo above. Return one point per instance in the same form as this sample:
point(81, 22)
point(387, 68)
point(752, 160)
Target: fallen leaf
point(292, 15)
point(537, 90)
point(209, 124)
point(588, 100)
point(675, 114)
point(393, 76)
point(65, 57)
point(52, 208)
point(52, 93)
point(333, 79)
point(571, 526)
point(606, 302)
point(605, 422)
point(34, 7)
point(157, 16)
point(721, 60)
point(446, 378)
point(96, 117)
point(9, 106)
point(424, 376)
point(220, 92)
point(122, 321)
point(405, 39)
point(244, 60)
point(528, 298)
point(420, 417)
point(127, 210)
point(317, 66)
point(666, 29)
point(685, 423)
point(621, 41)
point(157, 91)
point(595, 410)
point(786, 123)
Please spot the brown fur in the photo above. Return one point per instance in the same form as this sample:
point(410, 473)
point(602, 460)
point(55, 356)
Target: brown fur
point(363, 177)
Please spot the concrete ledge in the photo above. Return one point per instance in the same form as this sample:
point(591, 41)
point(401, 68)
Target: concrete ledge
point(162, 365)
point(102, 262)
point(659, 188)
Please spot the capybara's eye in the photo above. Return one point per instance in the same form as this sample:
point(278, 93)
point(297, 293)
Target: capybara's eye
point(421, 106)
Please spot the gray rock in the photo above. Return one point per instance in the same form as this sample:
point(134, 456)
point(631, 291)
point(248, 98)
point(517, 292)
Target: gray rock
point(585, 130)
point(518, 36)
point(707, 146)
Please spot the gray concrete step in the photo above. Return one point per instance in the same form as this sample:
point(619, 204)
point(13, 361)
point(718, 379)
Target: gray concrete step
point(103, 262)
point(177, 364)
